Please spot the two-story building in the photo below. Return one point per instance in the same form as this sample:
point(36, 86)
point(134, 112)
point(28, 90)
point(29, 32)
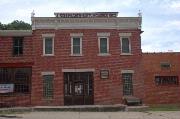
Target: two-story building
point(77, 59)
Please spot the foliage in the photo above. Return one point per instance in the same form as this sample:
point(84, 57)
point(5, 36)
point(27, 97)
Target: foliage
point(15, 25)
point(164, 108)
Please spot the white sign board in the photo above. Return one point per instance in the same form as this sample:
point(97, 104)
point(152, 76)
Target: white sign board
point(6, 88)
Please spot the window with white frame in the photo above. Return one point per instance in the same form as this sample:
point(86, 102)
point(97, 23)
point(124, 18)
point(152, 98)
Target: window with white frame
point(103, 45)
point(125, 45)
point(76, 45)
point(48, 44)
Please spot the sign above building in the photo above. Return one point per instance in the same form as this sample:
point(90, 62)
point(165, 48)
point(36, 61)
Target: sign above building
point(87, 15)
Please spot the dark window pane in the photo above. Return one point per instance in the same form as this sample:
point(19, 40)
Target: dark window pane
point(16, 51)
point(76, 50)
point(48, 45)
point(125, 45)
point(76, 45)
point(17, 46)
point(6, 75)
point(76, 41)
point(103, 45)
point(20, 77)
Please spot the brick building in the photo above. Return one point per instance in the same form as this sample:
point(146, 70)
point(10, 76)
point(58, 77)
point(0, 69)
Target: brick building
point(83, 59)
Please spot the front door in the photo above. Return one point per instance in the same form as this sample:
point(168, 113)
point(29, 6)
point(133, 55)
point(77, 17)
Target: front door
point(127, 84)
point(78, 88)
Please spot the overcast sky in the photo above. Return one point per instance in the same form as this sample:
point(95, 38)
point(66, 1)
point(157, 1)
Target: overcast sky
point(161, 18)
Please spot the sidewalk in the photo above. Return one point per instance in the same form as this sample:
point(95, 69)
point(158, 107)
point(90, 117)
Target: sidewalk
point(98, 115)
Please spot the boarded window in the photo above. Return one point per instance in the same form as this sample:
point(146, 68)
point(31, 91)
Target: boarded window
point(48, 86)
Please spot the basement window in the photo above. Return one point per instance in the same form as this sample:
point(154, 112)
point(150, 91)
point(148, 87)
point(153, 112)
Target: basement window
point(167, 80)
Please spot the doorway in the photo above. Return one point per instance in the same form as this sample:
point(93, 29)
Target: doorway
point(78, 88)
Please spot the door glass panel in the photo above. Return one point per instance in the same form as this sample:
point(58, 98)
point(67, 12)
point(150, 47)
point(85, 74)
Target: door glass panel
point(78, 88)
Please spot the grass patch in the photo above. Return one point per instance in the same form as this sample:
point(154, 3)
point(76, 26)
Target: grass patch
point(164, 108)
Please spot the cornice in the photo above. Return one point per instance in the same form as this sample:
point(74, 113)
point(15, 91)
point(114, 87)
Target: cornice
point(86, 23)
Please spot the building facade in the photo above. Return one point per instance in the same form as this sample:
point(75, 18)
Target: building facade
point(82, 59)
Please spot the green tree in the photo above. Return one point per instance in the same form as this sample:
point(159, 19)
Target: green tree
point(1, 26)
point(15, 25)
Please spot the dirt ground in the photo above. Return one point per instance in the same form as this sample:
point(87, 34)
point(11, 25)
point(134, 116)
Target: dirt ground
point(95, 115)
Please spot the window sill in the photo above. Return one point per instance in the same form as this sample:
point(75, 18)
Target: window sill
point(48, 99)
point(76, 55)
point(128, 54)
point(104, 54)
point(17, 56)
point(48, 55)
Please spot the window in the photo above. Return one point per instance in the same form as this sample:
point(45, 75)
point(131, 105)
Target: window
point(48, 46)
point(127, 84)
point(18, 77)
point(166, 80)
point(76, 46)
point(165, 65)
point(17, 46)
point(48, 86)
point(125, 45)
point(103, 45)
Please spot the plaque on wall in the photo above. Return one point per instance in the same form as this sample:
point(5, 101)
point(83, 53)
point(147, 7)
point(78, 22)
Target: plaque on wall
point(104, 74)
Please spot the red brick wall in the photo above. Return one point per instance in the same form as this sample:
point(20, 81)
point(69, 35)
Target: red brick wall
point(105, 91)
point(6, 50)
point(11, 100)
point(165, 94)
point(7, 60)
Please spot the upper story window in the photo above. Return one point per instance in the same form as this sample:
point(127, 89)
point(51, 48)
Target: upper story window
point(165, 65)
point(103, 43)
point(17, 46)
point(76, 44)
point(48, 44)
point(125, 43)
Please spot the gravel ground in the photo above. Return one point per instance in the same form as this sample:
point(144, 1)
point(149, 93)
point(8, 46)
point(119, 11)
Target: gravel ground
point(95, 115)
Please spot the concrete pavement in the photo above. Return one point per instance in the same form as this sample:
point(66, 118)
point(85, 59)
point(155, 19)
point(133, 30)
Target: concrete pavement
point(95, 115)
